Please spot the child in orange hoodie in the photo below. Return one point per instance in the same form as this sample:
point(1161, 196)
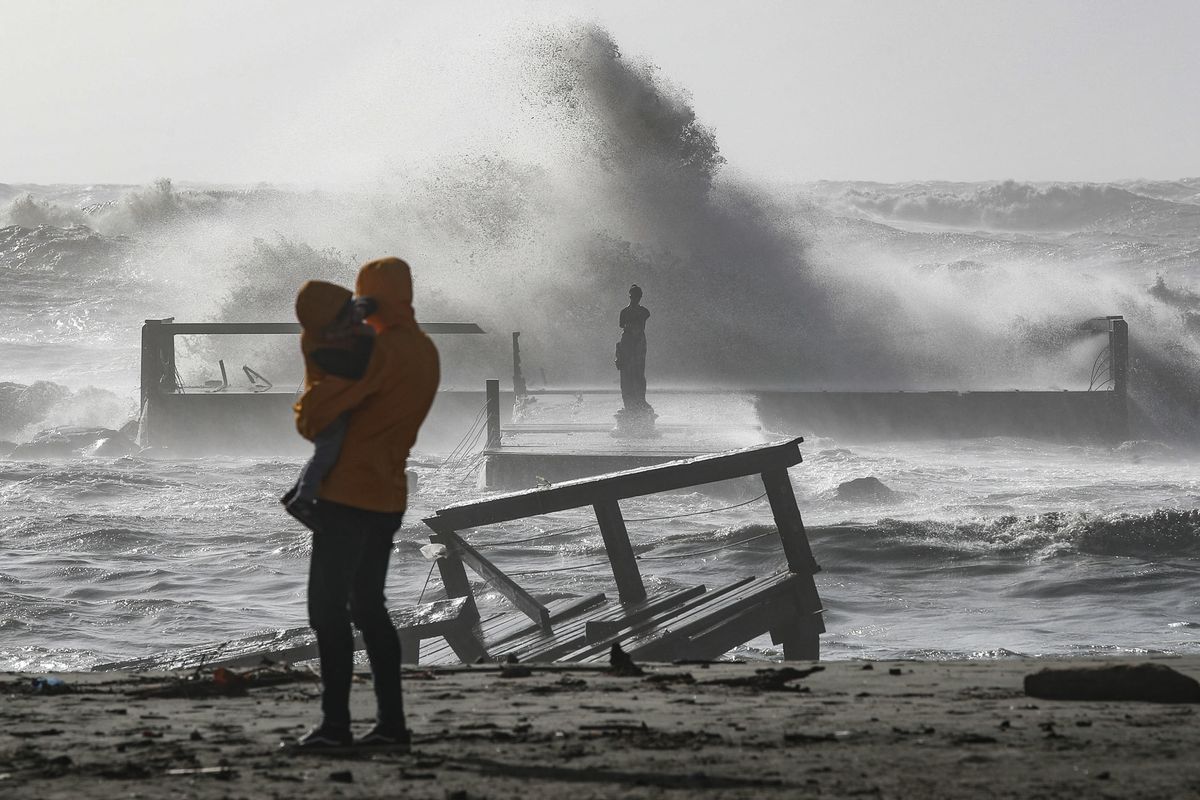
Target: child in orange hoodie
point(335, 341)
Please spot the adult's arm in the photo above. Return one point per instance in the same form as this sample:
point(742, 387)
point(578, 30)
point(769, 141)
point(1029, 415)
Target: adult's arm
point(332, 396)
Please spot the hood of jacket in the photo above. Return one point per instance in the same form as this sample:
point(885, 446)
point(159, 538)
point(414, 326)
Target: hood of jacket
point(318, 304)
point(389, 282)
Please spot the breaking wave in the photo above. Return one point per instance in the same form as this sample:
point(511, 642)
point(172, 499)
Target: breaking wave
point(1163, 534)
point(602, 175)
point(1015, 206)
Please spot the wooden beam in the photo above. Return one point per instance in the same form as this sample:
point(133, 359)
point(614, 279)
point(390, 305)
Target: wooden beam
point(620, 552)
point(496, 577)
point(410, 650)
point(466, 645)
point(261, 328)
point(672, 639)
point(454, 576)
point(619, 485)
point(598, 630)
point(787, 520)
point(492, 396)
point(800, 637)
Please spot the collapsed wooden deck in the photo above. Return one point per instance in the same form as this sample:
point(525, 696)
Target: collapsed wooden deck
point(694, 622)
point(697, 622)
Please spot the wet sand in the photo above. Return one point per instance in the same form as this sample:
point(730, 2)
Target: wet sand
point(852, 729)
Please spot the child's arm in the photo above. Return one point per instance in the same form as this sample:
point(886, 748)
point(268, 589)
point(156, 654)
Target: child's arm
point(320, 405)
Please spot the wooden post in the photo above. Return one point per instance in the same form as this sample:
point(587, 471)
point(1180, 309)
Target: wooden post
point(465, 643)
point(801, 640)
point(620, 552)
point(1118, 342)
point(158, 358)
point(787, 519)
point(493, 414)
point(410, 650)
point(519, 386)
point(151, 361)
point(800, 632)
point(454, 574)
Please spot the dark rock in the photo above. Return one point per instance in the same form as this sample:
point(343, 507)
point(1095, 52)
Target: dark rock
point(113, 447)
point(22, 405)
point(1153, 683)
point(865, 490)
point(342, 776)
point(70, 441)
point(130, 429)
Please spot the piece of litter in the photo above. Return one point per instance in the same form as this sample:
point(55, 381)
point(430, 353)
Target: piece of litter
point(224, 772)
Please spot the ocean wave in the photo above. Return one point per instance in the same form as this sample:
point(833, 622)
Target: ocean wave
point(73, 250)
point(1011, 205)
point(135, 211)
point(27, 409)
point(1161, 534)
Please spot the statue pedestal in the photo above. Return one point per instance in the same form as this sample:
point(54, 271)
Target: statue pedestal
point(635, 424)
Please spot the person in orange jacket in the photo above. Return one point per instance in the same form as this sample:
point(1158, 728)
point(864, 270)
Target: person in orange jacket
point(335, 341)
point(361, 503)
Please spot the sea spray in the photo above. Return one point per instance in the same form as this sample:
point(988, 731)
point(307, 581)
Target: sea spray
point(599, 173)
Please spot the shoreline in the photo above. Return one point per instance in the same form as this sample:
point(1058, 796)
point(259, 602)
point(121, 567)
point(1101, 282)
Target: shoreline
point(852, 728)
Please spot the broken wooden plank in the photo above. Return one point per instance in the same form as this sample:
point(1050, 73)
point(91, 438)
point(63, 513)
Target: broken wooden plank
point(573, 634)
point(620, 553)
point(788, 521)
point(497, 630)
point(620, 485)
point(801, 638)
point(412, 625)
point(662, 642)
point(495, 577)
point(598, 650)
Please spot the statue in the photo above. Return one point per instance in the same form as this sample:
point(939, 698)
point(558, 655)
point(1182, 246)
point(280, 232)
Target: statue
point(637, 417)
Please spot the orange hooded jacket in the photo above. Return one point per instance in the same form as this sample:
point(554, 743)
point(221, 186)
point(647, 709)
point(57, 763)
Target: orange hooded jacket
point(387, 405)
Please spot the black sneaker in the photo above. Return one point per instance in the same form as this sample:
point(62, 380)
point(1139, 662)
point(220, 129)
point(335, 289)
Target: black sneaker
point(396, 740)
point(322, 739)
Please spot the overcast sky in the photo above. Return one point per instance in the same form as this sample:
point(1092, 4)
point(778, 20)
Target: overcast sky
point(297, 91)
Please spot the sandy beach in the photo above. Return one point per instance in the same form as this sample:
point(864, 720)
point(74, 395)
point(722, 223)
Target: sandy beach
point(849, 729)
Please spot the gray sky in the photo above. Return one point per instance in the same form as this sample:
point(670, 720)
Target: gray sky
point(291, 91)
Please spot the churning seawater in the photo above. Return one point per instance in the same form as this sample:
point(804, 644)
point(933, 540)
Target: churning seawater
point(991, 547)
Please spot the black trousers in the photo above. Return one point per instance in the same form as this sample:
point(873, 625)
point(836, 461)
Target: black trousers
point(345, 584)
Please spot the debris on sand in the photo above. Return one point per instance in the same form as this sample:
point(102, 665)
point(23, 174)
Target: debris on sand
point(222, 682)
point(769, 680)
point(621, 664)
point(1152, 683)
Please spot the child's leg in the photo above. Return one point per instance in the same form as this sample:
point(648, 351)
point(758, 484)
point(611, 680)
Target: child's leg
point(326, 448)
